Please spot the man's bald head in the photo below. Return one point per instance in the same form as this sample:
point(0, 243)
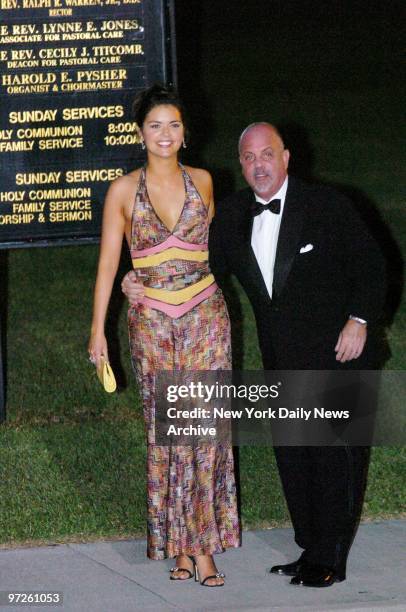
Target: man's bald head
point(264, 159)
point(256, 124)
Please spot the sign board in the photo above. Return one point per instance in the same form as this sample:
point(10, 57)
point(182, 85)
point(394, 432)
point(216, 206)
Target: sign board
point(69, 71)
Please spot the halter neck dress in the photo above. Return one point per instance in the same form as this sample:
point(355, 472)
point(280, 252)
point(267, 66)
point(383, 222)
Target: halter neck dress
point(182, 324)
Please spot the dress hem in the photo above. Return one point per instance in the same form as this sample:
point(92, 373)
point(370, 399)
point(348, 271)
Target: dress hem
point(164, 555)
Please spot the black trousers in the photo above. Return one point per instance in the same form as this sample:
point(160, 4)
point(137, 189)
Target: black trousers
point(324, 489)
point(324, 486)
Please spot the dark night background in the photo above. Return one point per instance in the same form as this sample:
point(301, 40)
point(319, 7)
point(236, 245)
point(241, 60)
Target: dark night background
point(329, 74)
point(322, 66)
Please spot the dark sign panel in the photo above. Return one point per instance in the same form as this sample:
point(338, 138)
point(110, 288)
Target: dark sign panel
point(69, 70)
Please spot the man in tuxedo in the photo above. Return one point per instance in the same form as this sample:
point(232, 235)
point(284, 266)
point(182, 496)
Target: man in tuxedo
point(314, 278)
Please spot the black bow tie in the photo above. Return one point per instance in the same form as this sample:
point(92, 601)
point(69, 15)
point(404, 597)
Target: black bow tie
point(274, 206)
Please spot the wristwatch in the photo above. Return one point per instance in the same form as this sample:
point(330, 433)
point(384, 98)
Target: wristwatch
point(357, 319)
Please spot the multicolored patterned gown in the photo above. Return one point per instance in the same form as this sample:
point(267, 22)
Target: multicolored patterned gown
point(181, 324)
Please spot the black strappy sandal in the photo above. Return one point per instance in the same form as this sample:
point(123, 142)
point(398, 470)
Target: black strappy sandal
point(203, 582)
point(175, 569)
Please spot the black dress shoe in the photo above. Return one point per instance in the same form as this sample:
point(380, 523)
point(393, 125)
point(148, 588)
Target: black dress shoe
point(289, 569)
point(317, 576)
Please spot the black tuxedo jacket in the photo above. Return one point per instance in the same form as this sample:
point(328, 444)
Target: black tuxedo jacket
point(327, 267)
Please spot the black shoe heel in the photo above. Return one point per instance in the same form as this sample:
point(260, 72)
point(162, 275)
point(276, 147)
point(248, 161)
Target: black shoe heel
point(204, 581)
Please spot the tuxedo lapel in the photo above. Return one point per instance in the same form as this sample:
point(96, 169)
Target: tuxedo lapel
point(289, 235)
point(252, 268)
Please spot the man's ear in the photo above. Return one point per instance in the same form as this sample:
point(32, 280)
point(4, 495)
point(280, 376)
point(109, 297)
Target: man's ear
point(286, 157)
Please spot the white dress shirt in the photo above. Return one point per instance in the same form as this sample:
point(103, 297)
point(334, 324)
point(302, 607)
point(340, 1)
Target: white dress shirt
point(265, 233)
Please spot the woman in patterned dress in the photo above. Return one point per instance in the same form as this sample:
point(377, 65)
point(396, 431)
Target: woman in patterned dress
point(180, 322)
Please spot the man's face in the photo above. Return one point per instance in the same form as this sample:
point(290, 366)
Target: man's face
point(264, 161)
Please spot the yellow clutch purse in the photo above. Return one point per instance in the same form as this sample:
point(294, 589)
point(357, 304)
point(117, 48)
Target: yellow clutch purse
point(106, 376)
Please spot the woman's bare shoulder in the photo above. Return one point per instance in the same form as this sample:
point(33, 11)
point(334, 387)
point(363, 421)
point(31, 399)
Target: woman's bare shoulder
point(203, 183)
point(125, 185)
point(200, 175)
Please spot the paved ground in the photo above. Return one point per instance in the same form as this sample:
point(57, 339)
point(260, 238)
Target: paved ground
point(117, 576)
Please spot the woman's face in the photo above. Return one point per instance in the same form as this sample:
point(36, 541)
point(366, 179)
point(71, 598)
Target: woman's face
point(163, 130)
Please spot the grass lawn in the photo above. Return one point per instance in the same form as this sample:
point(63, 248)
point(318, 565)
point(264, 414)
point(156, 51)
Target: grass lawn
point(71, 456)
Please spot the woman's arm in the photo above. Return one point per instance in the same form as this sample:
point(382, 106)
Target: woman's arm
point(110, 249)
point(211, 198)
